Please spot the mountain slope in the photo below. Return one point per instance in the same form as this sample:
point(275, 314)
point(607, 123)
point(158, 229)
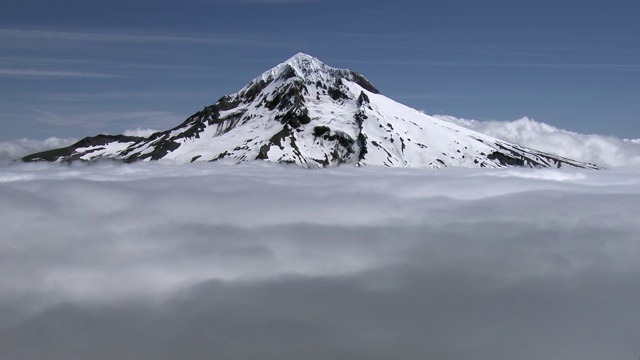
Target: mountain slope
point(307, 113)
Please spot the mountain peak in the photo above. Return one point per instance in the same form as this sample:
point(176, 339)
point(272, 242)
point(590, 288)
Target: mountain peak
point(302, 61)
point(303, 66)
point(308, 113)
point(311, 70)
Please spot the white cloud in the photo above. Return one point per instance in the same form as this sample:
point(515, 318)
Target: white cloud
point(140, 132)
point(263, 261)
point(15, 149)
point(607, 151)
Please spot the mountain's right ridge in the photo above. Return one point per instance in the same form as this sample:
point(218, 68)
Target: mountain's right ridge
point(307, 113)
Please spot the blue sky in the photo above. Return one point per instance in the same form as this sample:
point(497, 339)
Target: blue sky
point(76, 68)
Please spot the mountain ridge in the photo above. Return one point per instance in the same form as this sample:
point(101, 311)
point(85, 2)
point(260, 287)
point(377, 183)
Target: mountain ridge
point(305, 112)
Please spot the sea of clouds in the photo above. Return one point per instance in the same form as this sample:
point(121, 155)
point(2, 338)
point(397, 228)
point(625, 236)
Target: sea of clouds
point(264, 261)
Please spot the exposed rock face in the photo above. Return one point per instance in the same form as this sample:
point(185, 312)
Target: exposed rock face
point(307, 113)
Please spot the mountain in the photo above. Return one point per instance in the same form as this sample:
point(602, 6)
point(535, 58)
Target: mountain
point(307, 113)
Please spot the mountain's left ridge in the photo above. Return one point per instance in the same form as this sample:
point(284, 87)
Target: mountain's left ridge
point(307, 113)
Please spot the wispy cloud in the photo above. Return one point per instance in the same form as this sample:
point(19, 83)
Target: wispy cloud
point(272, 1)
point(46, 61)
point(102, 67)
point(53, 73)
point(113, 36)
point(428, 96)
point(118, 95)
point(510, 49)
point(98, 120)
point(573, 66)
point(481, 93)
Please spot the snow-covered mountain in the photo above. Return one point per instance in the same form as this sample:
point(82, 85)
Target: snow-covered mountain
point(307, 113)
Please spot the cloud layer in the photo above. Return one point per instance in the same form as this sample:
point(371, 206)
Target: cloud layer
point(15, 149)
point(150, 261)
point(607, 151)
